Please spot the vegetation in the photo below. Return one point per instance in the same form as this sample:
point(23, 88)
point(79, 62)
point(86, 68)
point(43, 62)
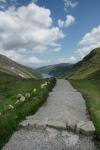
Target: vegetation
point(14, 109)
point(95, 75)
point(57, 70)
point(91, 92)
point(88, 66)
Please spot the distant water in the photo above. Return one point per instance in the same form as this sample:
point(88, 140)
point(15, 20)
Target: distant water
point(44, 75)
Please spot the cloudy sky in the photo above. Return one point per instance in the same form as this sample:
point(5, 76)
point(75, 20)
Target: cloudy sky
point(42, 32)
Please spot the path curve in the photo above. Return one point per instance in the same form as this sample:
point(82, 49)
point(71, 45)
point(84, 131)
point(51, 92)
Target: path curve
point(57, 124)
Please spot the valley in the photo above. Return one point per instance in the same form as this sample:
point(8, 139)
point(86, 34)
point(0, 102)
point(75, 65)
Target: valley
point(24, 90)
point(57, 124)
point(49, 74)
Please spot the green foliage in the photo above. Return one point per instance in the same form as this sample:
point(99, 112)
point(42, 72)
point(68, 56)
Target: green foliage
point(91, 92)
point(9, 119)
point(56, 70)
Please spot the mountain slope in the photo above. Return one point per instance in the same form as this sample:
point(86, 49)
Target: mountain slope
point(10, 67)
point(55, 70)
point(89, 67)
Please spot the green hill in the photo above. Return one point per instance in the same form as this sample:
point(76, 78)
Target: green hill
point(56, 70)
point(95, 75)
point(89, 67)
point(10, 67)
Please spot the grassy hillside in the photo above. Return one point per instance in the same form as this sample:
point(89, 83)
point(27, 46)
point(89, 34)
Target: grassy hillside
point(91, 92)
point(13, 108)
point(95, 75)
point(86, 68)
point(10, 67)
point(56, 70)
point(90, 65)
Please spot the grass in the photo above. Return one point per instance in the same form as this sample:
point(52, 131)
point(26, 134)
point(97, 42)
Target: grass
point(91, 92)
point(10, 87)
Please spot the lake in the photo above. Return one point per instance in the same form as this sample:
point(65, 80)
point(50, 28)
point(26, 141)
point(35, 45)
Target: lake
point(44, 75)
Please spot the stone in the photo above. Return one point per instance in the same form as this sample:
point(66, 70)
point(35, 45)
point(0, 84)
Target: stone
point(52, 133)
point(56, 124)
point(66, 133)
point(38, 124)
point(28, 123)
point(41, 124)
point(86, 128)
point(72, 140)
point(71, 125)
point(78, 126)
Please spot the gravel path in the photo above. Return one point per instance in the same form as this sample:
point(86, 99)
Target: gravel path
point(46, 130)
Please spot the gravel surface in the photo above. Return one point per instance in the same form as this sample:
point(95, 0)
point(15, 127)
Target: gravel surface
point(64, 106)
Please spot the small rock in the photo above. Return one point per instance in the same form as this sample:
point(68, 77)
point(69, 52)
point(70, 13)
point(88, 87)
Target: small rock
point(87, 128)
point(72, 140)
point(52, 133)
point(71, 125)
point(40, 125)
point(28, 123)
point(78, 126)
point(66, 133)
point(57, 124)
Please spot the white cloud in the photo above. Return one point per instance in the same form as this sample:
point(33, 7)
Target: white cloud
point(57, 49)
point(92, 37)
point(14, 55)
point(22, 58)
point(69, 4)
point(71, 59)
point(67, 23)
point(61, 23)
point(89, 41)
point(69, 20)
point(35, 60)
point(28, 28)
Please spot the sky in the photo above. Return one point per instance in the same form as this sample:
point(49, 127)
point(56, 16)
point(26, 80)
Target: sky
point(44, 32)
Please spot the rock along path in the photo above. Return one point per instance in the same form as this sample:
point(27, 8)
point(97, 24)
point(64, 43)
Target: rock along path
point(57, 124)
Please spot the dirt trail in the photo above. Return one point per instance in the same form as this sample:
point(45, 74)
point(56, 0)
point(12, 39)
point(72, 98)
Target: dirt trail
point(57, 124)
